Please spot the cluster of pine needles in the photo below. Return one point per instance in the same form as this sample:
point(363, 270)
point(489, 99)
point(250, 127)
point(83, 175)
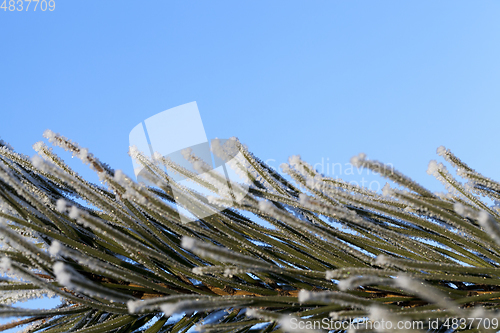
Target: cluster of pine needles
point(300, 248)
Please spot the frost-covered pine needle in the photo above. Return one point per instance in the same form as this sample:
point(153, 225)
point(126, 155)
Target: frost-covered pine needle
point(260, 256)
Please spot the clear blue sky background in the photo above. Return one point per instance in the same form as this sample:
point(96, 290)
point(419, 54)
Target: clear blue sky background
point(323, 79)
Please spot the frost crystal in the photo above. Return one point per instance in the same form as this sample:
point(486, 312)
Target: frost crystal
point(266, 206)
point(285, 167)
point(5, 264)
point(459, 208)
point(478, 312)
point(358, 160)
point(251, 312)
point(441, 150)
point(74, 212)
point(404, 282)
point(61, 205)
point(432, 168)
point(102, 175)
point(133, 152)
point(381, 260)
point(119, 176)
point(62, 273)
point(157, 156)
point(199, 166)
point(54, 248)
point(344, 284)
point(289, 324)
point(294, 160)
point(334, 315)
point(483, 218)
point(304, 296)
point(132, 306)
point(186, 152)
point(312, 183)
point(83, 154)
point(188, 243)
point(286, 323)
point(38, 146)
point(49, 135)
point(228, 272)
point(377, 313)
point(37, 162)
point(168, 309)
point(386, 190)
point(303, 198)
point(197, 270)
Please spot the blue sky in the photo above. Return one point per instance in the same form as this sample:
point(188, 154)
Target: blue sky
point(323, 79)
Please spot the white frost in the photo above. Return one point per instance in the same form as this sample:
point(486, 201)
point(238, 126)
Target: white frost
point(345, 284)
point(285, 167)
point(386, 190)
point(186, 152)
point(119, 175)
point(188, 243)
point(5, 264)
point(83, 154)
point(74, 212)
point(61, 205)
point(132, 306)
point(286, 323)
point(289, 324)
point(459, 208)
point(404, 282)
point(334, 315)
point(483, 218)
point(432, 168)
point(133, 152)
point(102, 175)
point(197, 270)
point(304, 296)
point(48, 134)
point(381, 260)
point(266, 206)
point(54, 248)
point(229, 272)
point(303, 198)
point(62, 273)
point(377, 313)
point(168, 309)
point(37, 161)
point(441, 150)
point(38, 146)
point(313, 183)
point(358, 160)
point(251, 312)
point(294, 160)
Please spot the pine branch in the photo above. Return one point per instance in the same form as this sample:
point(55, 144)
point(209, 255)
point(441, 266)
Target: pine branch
point(259, 257)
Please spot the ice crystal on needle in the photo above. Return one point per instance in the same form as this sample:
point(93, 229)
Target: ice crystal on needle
point(289, 248)
point(5, 264)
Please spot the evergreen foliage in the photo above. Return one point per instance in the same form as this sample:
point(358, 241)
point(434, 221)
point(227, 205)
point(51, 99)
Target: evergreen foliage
point(314, 247)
